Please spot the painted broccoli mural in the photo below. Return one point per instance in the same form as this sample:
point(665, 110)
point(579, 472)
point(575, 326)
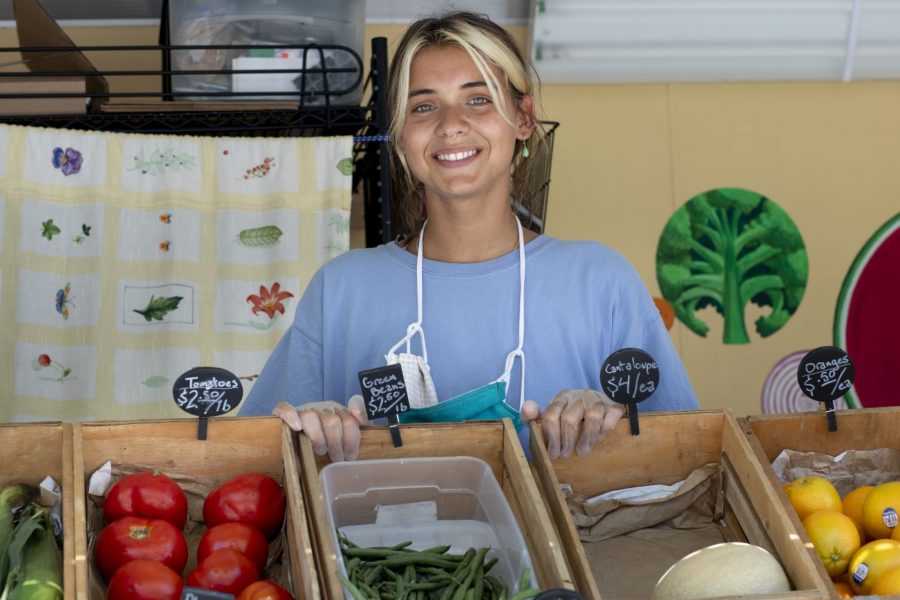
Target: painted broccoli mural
point(726, 248)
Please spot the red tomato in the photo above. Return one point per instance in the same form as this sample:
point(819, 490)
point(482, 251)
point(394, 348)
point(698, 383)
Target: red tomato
point(224, 570)
point(146, 494)
point(265, 590)
point(251, 498)
point(133, 538)
point(246, 539)
point(145, 580)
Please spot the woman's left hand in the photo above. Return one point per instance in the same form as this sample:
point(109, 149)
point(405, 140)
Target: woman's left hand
point(575, 420)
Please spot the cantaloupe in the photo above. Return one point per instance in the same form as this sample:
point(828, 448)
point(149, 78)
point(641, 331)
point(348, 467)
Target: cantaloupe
point(728, 569)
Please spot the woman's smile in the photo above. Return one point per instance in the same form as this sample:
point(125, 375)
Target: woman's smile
point(453, 158)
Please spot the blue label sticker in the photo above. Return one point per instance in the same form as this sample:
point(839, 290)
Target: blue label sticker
point(889, 516)
point(860, 573)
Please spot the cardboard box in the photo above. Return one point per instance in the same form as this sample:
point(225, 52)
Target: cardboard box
point(668, 448)
point(494, 442)
point(30, 452)
point(35, 29)
point(233, 446)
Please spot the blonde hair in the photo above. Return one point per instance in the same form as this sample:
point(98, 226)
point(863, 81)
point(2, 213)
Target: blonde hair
point(489, 46)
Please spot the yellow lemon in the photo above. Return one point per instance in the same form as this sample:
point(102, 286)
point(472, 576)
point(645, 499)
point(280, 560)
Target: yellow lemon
point(888, 584)
point(880, 510)
point(835, 538)
point(852, 504)
point(870, 562)
point(812, 494)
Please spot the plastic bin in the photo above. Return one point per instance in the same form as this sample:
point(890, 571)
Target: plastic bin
point(430, 501)
point(274, 22)
point(493, 442)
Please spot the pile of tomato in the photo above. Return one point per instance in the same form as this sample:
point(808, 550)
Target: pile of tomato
point(142, 551)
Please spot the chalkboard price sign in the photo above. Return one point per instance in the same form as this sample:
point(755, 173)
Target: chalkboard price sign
point(384, 394)
point(192, 593)
point(630, 376)
point(207, 392)
point(825, 374)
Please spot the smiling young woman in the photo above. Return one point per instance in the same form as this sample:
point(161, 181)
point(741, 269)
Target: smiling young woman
point(463, 123)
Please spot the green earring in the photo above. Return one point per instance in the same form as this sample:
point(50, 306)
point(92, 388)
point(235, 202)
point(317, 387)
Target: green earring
point(525, 153)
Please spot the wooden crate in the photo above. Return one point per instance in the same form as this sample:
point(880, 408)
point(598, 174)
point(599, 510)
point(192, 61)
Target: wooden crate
point(668, 448)
point(494, 442)
point(233, 446)
point(857, 429)
point(30, 452)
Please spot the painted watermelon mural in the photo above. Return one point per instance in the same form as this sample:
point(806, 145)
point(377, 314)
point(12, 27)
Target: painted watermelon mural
point(867, 319)
point(726, 248)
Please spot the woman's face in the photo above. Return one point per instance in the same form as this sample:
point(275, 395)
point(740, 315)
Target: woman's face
point(456, 142)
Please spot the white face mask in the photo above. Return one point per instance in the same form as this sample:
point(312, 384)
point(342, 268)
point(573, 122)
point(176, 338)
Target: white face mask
point(416, 373)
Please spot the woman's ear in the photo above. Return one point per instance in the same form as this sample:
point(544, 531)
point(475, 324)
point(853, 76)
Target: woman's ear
point(525, 119)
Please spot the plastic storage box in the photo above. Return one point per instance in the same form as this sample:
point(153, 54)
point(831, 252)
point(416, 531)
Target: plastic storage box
point(269, 22)
point(430, 501)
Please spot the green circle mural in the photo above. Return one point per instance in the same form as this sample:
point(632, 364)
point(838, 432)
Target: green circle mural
point(726, 248)
point(866, 321)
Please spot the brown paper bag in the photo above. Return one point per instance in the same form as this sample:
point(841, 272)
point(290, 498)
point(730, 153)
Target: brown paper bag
point(847, 471)
point(697, 502)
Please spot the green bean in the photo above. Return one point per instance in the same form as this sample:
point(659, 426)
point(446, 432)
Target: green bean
point(436, 550)
point(354, 591)
point(490, 563)
point(478, 589)
point(373, 574)
point(371, 593)
point(372, 553)
point(497, 584)
point(403, 559)
point(401, 545)
point(524, 594)
point(525, 579)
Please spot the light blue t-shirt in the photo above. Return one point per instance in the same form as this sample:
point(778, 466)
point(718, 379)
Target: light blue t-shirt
point(583, 301)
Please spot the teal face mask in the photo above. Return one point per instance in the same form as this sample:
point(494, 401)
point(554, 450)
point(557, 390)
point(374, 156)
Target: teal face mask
point(481, 404)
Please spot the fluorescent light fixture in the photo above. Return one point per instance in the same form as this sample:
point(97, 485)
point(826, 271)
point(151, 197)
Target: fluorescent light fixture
point(608, 41)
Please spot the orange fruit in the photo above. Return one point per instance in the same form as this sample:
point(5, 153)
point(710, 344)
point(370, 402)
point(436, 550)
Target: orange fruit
point(853, 507)
point(870, 562)
point(880, 510)
point(888, 584)
point(812, 494)
point(843, 589)
point(834, 537)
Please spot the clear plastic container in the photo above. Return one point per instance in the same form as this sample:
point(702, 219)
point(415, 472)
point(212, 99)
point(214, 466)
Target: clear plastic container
point(430, 501)
point(267, 22)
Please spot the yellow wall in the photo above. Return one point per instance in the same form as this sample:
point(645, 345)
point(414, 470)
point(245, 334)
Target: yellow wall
point(627, 156)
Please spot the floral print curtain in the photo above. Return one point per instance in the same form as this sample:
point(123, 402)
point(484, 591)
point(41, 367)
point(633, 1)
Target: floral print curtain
point(129, 259)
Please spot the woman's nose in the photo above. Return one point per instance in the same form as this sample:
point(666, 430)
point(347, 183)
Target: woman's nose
point(452, 124)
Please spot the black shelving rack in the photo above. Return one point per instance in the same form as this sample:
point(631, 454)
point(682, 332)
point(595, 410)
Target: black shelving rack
point(367, 122)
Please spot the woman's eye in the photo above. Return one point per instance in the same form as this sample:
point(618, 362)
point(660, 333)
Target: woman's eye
point(421, 108)
point(480, 101)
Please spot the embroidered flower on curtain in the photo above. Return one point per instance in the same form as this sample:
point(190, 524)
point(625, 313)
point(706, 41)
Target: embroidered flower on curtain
point(68, 161)
point(269, 301)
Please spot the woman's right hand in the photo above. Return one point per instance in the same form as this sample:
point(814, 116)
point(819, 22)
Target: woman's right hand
point(329, 425)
